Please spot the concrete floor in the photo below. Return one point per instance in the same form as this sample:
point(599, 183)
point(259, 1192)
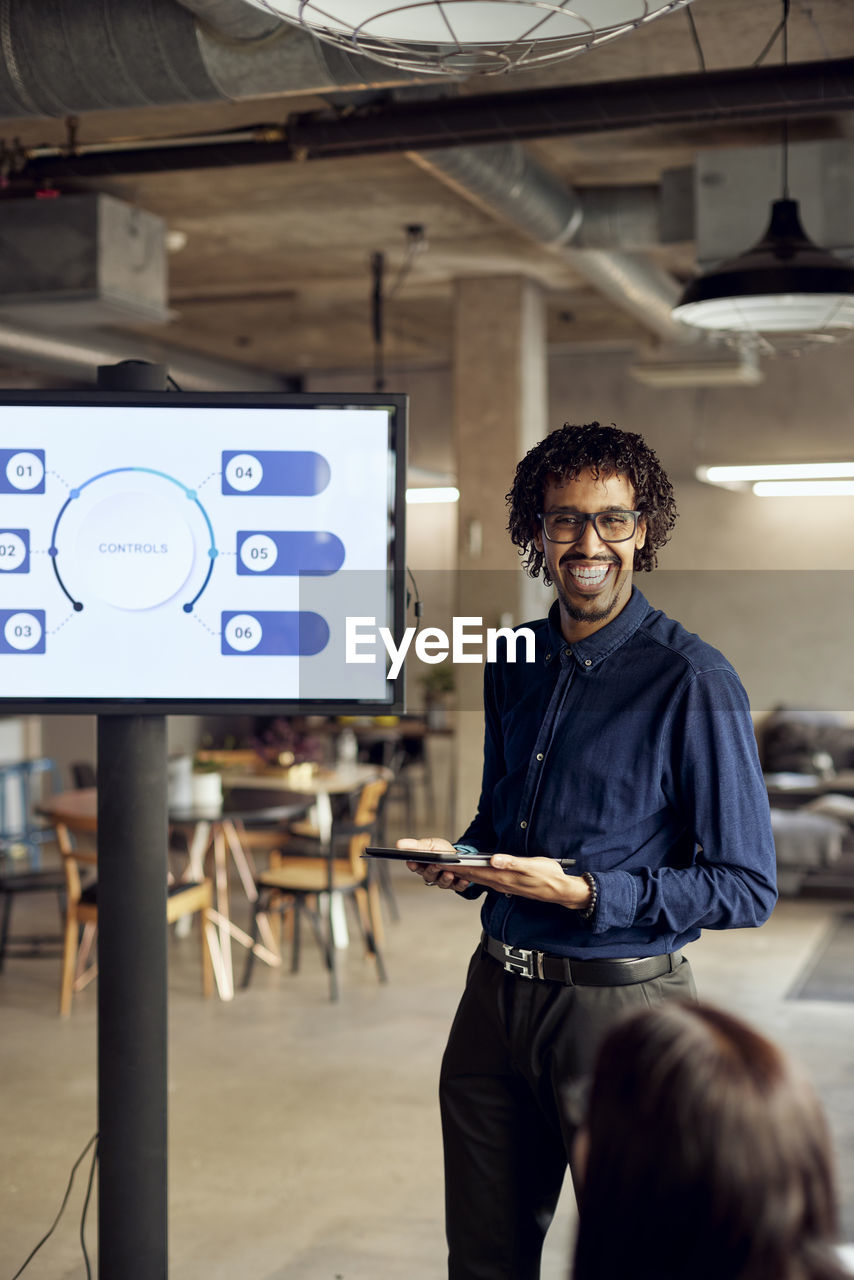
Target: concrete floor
point(304, 1136)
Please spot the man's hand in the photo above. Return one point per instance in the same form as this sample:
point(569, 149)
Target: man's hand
point(434, 875)
point(541, 878)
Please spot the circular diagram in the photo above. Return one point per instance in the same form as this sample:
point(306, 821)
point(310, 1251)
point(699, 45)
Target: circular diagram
point(132, 538)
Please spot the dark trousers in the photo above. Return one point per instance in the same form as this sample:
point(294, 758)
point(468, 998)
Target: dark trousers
point(515, 1053)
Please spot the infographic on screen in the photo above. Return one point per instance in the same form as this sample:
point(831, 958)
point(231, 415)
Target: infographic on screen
point(188, 553)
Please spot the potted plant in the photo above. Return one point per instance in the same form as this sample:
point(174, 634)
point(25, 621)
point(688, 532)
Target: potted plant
point(439, 685)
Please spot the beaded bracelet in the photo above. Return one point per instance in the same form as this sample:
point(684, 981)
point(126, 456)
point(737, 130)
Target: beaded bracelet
point(590, 880)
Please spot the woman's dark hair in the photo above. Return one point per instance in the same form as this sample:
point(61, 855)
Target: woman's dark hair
point(606, 450)
point(709, 1157)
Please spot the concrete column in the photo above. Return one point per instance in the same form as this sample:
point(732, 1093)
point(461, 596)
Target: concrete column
point(499, 408)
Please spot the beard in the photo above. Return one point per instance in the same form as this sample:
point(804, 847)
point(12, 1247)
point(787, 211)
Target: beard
point(592, 611)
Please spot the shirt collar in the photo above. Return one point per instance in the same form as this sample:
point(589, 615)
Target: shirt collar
point(588, 653)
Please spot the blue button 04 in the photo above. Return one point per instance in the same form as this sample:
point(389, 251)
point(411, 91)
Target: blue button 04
point(275, 473)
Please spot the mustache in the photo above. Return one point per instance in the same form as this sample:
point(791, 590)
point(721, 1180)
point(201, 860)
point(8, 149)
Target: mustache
point(569, 558)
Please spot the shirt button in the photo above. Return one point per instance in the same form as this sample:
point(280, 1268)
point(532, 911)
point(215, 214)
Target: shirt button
point(540, 755)
point(523, 825)
point(567, 653)
point(548, 656)
point(588, 662)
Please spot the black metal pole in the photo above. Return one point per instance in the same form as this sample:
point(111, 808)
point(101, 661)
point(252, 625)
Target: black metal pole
point(132, 1029)
point(132, 1014)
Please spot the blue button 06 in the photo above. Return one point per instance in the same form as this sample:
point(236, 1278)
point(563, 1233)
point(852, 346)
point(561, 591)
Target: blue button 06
point(268, 633)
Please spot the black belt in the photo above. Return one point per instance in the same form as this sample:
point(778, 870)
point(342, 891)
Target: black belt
point(579, 973)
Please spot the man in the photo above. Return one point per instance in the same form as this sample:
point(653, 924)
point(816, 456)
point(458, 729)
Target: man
point(626, 751)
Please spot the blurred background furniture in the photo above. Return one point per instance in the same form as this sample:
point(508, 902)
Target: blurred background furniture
point(311, 870)
point(808, 759)
point(22, 837)
point(23, 785)
point(76, 834)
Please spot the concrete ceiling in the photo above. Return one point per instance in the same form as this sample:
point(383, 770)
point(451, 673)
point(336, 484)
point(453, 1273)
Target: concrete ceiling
point(274, 271)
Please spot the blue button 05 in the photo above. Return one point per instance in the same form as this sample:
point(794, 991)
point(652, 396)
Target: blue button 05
point(313, 553)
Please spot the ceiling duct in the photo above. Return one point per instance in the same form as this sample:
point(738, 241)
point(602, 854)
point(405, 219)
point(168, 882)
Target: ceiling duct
point(83, 260)
point(93, 55)
point(506, 181)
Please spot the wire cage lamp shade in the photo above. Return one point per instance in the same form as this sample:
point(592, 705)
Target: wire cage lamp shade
point(786, 292)
point(468, 37)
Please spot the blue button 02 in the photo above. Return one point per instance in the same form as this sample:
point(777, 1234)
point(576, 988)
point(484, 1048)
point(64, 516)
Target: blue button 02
point(14, 551)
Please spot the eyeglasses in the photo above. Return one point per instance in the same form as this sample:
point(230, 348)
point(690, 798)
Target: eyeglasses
point(569, 526)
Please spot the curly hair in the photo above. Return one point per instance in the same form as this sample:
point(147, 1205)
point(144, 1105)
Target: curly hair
point(563, 455)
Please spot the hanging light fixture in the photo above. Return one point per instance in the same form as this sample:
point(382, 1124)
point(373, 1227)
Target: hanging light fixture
point(468, 37)
point(786, 292)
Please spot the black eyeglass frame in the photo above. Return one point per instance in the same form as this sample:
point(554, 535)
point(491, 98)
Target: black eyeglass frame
point(589, 517)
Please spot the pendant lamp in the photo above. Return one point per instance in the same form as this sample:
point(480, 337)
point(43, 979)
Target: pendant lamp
point(785, 293)
point(784, 288)
point(468, 37)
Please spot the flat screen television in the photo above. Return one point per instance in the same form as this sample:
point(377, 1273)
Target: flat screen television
point(180, 553)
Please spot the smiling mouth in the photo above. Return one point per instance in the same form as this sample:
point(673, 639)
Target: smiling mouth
point(589, 577)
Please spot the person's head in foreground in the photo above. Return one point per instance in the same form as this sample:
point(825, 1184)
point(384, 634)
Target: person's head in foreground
point(705, 1156)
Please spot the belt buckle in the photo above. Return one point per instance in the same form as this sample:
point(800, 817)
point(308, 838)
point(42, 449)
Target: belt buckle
point(519, 961)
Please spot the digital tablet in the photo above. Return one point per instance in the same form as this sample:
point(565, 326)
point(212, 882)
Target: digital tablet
point(455, 859)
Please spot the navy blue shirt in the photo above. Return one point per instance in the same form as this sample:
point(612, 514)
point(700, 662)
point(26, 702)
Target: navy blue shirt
point(631, 751)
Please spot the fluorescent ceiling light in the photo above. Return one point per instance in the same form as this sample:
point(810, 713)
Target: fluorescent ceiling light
point(439, 493)
point(465, 37)
point(776, 471)
point(804, 488)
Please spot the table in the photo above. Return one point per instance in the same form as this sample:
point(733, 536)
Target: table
point(219, 835)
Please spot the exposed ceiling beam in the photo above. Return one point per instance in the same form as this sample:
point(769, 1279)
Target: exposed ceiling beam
point(801, 90)
point(753, 93)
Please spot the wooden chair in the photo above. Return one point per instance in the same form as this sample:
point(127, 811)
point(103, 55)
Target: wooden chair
point(76, 840)
point(295, 879)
